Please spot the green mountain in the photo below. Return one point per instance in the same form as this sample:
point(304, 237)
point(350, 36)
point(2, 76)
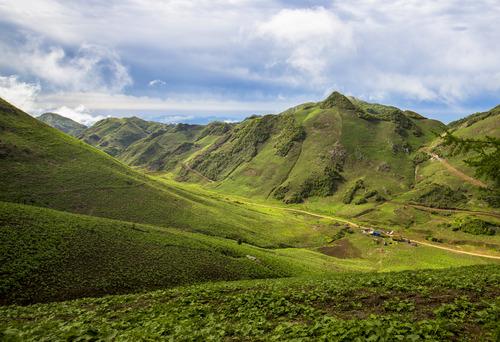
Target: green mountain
point(62, 123)
point(440, 167)
point(151, 145)
point(42, 166)
point(314, 149)
point(318, 149)
point(368, 189)
point(114, 135)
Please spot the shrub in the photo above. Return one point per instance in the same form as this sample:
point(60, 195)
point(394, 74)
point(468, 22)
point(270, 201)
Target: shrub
point(351, 192)
point(441, 196)
point(474, 226)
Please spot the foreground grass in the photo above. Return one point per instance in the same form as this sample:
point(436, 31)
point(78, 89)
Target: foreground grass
point(452, 304)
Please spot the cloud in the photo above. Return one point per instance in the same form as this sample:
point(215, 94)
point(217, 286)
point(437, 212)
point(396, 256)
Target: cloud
point(309, 40)
point(20, 94)
point(26, 96)
point(245, 53)
point(90, 68)
point(179, 102)
point(156, 83)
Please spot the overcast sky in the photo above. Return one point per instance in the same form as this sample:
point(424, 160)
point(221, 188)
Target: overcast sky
point(199, 60)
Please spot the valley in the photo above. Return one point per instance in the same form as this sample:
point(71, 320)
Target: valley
point(285, 216)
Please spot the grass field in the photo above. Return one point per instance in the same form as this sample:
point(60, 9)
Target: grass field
point(50, 255)
point(454, 304)
point(43, 167)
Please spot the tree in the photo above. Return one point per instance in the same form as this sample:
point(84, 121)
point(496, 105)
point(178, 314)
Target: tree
point(485, 160)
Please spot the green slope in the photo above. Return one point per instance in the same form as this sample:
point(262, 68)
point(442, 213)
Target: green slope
point(461, 304)
point(114, 135)
point(151, 145)
point(48, 255)
point(62, 123)
point(42, 166)
point(431, 171)
point(314, 149)
point(319, 149)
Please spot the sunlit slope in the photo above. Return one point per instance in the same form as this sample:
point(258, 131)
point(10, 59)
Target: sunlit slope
point(318, 148)
point(451, 170)
point(42, 166)
point(151, 145)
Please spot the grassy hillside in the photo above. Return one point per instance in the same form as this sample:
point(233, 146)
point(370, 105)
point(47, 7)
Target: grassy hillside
point(151, 145)
point(319, 149)
point(50, 255)
point(62, 123)
point(42, 166)
point(454, 304)
point(314, 149)
point(432, 171)
point(114, 135)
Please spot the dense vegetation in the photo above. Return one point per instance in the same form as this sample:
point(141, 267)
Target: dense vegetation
point(474, 226)
point(453, 304)
point(43, 167)
point(282, 155)
point(441, 196)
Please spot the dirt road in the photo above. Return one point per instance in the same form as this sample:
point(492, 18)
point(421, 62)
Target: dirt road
point(359, 226)
point(456, 172)
point(456, 250)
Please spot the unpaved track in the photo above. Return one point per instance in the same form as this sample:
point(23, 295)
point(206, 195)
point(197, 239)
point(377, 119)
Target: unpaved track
point(457, 172)
point(359, 226)
point(456, 250)
point(473, 212)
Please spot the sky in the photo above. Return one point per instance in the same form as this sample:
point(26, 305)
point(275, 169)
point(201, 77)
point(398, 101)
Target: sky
point(202, 60)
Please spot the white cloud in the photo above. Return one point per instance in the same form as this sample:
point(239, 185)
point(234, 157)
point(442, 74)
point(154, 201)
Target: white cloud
point(156, 83)
point(445, 52)
point(20, 94)
point(26, 96)
point(91, 68)
point(311, 39)
point(97, 101)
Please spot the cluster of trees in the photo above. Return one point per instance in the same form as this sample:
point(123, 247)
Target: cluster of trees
point(485, 160)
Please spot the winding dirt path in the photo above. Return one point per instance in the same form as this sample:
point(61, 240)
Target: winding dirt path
point(457, 172)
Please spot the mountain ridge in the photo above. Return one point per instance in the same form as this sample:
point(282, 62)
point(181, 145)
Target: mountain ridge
point(63, 123)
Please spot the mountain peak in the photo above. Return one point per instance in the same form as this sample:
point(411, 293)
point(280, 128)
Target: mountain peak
point(62, 123)
point(338, 100)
